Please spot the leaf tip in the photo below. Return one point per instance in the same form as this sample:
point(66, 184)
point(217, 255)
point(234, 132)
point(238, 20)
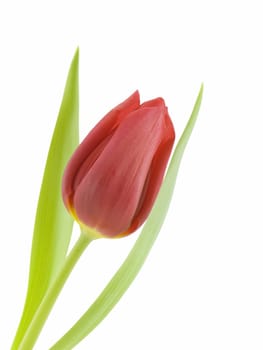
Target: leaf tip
point(200, 95)
point(76, 55)
point(198, 100)
point(75, 61)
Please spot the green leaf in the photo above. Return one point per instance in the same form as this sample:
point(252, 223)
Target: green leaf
point(133, 263)
point(53, 225)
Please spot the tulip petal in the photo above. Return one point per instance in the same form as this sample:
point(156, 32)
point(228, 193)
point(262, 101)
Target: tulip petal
point(124, 164)
point(155, 176)
point(94, 141)
point(53, 225)
point(137, 256)
point(157, 102)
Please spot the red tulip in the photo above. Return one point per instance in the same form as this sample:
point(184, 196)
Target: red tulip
point(112, 180)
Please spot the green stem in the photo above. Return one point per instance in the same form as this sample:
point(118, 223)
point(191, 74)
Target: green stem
point(48, 301)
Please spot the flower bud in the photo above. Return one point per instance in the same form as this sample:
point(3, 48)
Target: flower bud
point(112, 180)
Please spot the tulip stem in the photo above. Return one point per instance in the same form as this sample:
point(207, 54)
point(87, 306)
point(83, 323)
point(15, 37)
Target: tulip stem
point(52, 293)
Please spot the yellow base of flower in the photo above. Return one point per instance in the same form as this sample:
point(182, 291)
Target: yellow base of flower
point(90, 232)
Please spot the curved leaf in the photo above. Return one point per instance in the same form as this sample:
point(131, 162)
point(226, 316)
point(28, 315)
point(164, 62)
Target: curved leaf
point(53, 225)
point(133, 263)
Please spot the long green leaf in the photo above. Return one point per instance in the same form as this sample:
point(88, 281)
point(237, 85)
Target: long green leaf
point(133, 263)
point(53, 225)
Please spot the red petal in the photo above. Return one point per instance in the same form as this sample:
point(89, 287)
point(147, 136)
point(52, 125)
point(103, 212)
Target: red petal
point(157, 102)
point(108, 196)
point(155, 176)
point(92, 144)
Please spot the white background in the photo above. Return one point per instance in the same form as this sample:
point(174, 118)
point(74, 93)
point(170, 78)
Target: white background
point(201, 287)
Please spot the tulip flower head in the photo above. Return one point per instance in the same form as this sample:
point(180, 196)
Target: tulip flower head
point(112, 180)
